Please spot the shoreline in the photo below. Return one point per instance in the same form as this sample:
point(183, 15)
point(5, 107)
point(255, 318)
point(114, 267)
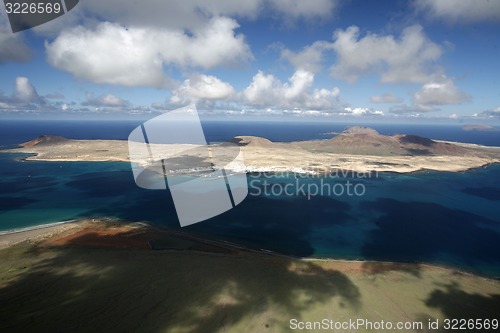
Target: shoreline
point(407, 169)
point(47, 231)
point(33, 157)
point(31, 234)
point(429, 265)
point(350, 152)
point(55, 224)
point(36, 227)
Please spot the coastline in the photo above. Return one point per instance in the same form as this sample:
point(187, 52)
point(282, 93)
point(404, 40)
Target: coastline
point(354, 163)
point(12, 237)
point(268, 157)
point(44, 233)
point(34, 227)
point(308, 157)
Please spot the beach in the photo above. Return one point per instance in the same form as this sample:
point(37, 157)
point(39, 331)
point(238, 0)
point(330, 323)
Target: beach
point(38, 233)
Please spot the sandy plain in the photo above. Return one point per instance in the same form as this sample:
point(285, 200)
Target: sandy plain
point(360, 150)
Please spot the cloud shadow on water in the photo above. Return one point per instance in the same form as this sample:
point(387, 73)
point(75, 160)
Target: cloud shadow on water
point(13, 203)
point(488, 193)
point(103, 184)
point(422, 232)
point(283, 225)
point(28, 184)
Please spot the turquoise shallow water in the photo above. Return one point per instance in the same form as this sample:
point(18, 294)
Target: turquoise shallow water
point(33, 193)
point(436, 217)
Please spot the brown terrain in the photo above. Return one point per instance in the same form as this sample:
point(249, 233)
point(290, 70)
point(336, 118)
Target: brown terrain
point(45, 140)
point(367, 141)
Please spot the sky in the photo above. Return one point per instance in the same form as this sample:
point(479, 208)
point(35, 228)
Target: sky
point(419, 60)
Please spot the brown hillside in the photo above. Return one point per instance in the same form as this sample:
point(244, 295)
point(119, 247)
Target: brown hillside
point(45, 140)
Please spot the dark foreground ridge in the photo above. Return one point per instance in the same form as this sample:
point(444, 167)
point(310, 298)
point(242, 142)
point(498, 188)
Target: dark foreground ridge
point(101, 278)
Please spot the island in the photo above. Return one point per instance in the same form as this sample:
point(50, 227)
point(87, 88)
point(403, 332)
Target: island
point(481, 128)
point(358, 149)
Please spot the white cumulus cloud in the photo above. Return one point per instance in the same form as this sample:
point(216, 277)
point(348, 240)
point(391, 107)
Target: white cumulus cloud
point(360, 111)
point(25, 92)
point(135, 56)
point(309, 58)
point(405, 59)
point(267, 90)
point(461, 11)
point(440, 91)
point(24, 98)
point(104, 100)
point(201, 87)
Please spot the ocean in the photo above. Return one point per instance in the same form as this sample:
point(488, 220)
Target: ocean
point(443, 218)
point(14, 131)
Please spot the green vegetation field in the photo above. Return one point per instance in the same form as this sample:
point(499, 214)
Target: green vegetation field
point(79, 289)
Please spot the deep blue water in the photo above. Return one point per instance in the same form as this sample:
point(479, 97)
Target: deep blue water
point(14, 132)
point(437, 217)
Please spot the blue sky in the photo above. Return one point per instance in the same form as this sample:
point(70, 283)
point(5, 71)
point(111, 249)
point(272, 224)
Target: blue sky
point(290, 59)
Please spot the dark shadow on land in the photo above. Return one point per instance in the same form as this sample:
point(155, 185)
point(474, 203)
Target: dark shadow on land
point(456, 303)
point(103, 290)
point(119, 237)
point(259, 222)
point(422, 231)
